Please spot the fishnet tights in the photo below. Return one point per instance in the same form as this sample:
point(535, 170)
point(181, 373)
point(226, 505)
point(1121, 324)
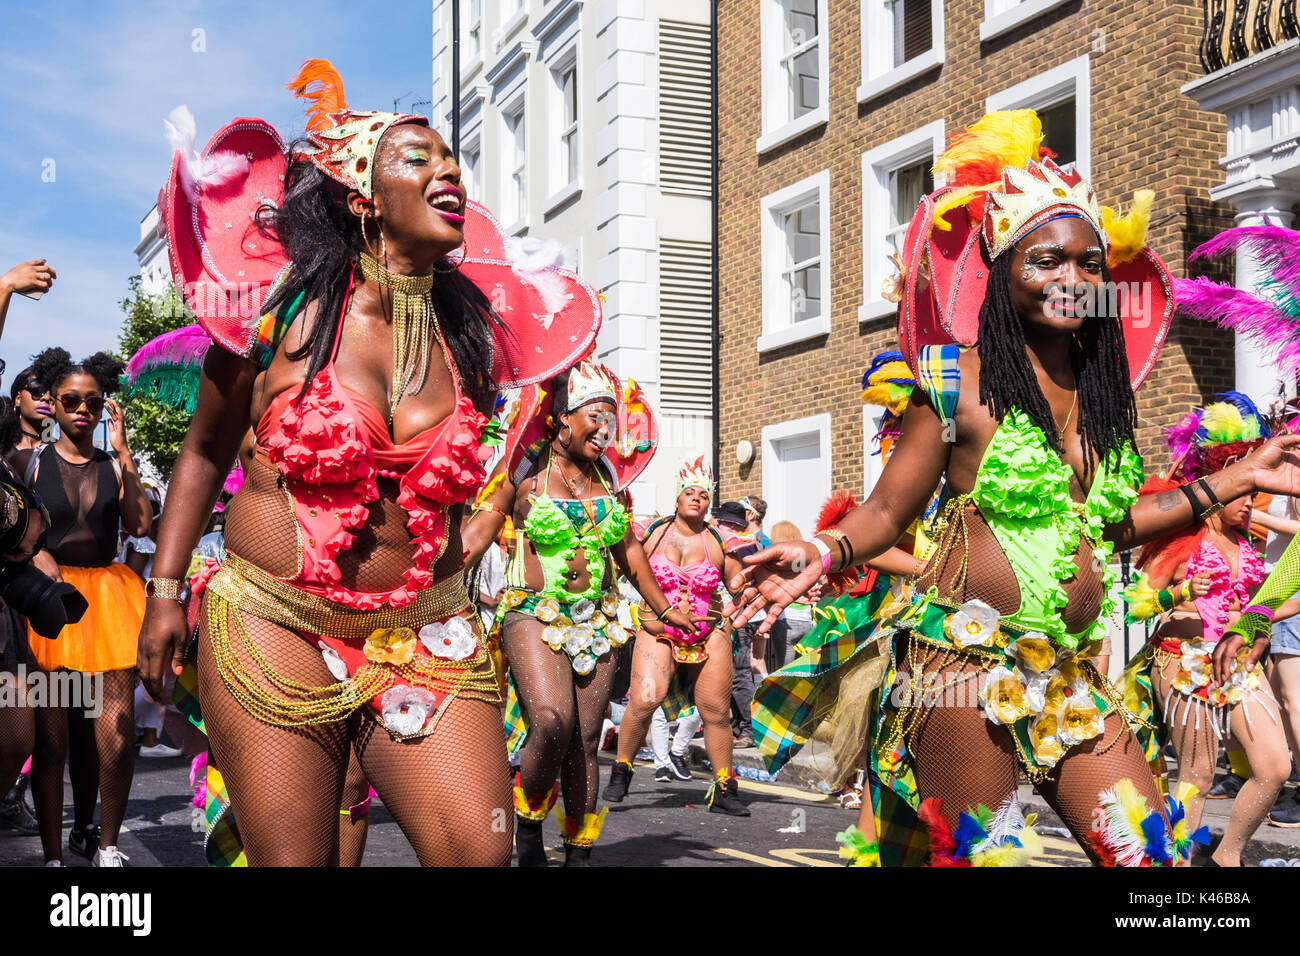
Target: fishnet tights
point(966, 760)
point(990, 578)
point(449, 791)
point(63, 736)
point(115, 740)
point(565, 712)
point(1262, 737)
point(17, 739)
point(353, 830)
point(652, 669)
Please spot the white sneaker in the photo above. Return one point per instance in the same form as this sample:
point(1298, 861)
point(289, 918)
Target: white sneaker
point(160, 750)
point(53, 862)
point(109, 857)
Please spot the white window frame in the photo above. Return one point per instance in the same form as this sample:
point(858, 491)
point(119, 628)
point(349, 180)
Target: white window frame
point(470, 65)
point(511, 14)
point(560, 188)
point(771, 434)
point(1048, 89)
point(772, 207)
point(872, 466)
point(514, 111)
point(477, 181)
point(776, 128)
point(1002, 16)
point(877, 49)
point(877, 164)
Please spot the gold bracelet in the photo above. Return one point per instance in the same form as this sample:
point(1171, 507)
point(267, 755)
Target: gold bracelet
point(842, 542)
point(488, 506)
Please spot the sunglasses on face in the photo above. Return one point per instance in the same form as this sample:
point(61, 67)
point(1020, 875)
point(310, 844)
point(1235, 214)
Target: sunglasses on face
point(35, 390)
point(71, 401)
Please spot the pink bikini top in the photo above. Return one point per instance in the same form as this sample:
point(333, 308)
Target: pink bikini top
point(332, 445)
point(1214, 605)
point(697, 581)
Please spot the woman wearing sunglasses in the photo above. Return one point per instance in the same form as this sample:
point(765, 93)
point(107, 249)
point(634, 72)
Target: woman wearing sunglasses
point(25, 423)
point(88, 493)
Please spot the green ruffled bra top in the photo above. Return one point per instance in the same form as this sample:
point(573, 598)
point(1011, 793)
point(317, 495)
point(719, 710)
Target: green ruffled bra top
point(1022, 490)
point(558, 527)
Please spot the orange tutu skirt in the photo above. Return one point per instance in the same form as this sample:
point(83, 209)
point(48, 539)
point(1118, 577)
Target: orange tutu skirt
point(105, 639)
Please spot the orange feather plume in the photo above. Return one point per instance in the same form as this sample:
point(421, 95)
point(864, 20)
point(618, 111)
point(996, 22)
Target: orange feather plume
point(326, 97)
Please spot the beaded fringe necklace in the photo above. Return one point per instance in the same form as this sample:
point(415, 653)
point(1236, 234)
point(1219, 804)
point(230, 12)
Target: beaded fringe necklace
point(413, 315)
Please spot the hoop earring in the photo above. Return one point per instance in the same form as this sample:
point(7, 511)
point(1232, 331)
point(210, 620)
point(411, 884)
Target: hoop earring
point(564, 442)
point(365, 236)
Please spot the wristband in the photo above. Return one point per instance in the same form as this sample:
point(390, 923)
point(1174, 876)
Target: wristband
point(825, 551)
point(1263, 610)
point(488, 506)
point(169, 589)
point(1215, 504)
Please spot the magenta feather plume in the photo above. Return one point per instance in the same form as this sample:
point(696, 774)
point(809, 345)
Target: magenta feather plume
point(1179, 438)
point(1273, 328)
point(184, 346)
point(234, 480)
point(1275, 250)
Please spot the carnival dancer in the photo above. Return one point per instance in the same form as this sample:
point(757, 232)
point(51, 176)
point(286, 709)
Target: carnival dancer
point(339, 621)
point(689, 562)
point(1198, 581)
point(567, 497)
point(89, 495)
point(1032, 431)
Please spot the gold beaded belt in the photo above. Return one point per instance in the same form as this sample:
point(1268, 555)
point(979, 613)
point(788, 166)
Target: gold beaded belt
point(254, 591)
point(242, 588)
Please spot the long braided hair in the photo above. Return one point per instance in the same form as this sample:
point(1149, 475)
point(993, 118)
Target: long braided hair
point(324, 242)
point(1107, 412)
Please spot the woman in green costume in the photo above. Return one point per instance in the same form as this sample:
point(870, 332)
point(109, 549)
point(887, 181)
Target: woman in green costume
point(559, 614)
point(1031, 430)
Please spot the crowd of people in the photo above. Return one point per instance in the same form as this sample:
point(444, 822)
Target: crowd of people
point(421, 574)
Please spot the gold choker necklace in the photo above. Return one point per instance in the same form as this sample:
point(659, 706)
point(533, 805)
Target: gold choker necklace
point(412, 299)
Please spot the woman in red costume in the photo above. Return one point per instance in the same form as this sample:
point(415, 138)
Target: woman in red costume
point(339, 621)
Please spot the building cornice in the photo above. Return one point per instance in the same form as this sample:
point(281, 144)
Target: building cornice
point(1248, 79)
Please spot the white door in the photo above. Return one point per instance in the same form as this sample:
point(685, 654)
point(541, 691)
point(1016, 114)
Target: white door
point(796, 471)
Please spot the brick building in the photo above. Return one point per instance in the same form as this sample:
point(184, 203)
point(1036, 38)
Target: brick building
point(830, 113)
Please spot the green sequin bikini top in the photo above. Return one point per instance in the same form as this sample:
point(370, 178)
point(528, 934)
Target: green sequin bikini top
point(1022, 491)
point(557, 527)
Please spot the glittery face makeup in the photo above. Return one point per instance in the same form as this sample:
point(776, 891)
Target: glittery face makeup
point(418, 195)
point(1057, 272)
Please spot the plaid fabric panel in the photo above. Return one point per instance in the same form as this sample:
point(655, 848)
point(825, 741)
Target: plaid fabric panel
point(185, 695)
point(790, 703)
point(516, 721)
point(271, 330)
point(938, 374)
point(222, 845)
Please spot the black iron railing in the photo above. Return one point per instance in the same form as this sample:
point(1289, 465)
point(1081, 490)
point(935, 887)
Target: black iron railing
point(1236, 29)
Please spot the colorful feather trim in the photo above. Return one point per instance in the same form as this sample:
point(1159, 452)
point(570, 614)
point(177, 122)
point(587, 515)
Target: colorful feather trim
point(982, 837)
point(1127, 234)
point(1128, 834)
point(839, 504)
point(857, 849)
point(1176, 805)
point(975, 158)
point(1269, 316)
point(1142, 601)
point(234, 480)
point(167, 368)
point(325, 96)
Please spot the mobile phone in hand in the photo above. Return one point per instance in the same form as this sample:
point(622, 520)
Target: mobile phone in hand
point(36, 294)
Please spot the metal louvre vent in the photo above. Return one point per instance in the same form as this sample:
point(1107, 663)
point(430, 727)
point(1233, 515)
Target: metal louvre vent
point(685, 327)
point(685, 147)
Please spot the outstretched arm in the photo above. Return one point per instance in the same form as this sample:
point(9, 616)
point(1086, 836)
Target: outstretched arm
point(1272, 467)
point(783, 572)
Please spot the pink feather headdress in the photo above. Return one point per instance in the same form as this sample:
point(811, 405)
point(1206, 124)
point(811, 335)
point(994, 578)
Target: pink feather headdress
point(1269, 316)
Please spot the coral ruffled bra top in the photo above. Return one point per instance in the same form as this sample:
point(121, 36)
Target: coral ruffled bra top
point(332, 445)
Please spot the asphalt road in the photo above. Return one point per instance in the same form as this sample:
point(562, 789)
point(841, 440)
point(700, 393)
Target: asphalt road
point(660, 824)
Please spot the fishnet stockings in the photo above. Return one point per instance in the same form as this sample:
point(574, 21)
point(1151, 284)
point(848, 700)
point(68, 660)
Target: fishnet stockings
point(115, 739)
point(353, 830)
point(17, 739)
point(449, 791)
point(63, 736)
point(966, 760)
point(1260, 732)
point(990, 578)
point(260, 525)
point(652, 669)
point(565, 711)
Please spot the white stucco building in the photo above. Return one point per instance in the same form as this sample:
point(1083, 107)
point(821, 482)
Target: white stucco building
point(1260, 95)
point(151, 253)
point(589, 123)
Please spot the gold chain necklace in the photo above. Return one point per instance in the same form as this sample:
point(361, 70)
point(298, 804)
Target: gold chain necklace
point(413, 315)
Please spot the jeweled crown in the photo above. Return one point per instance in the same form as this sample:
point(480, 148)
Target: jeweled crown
point(1030, 196)
point(695, 474)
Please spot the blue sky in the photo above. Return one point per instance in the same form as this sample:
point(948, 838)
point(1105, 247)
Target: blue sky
point(87, 85)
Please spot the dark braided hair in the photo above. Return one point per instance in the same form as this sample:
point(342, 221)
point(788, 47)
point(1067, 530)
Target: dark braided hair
point(1107, 412)
point(53, 366)
point(323, 240)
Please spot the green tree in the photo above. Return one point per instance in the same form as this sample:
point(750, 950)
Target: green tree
point(154, 430)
